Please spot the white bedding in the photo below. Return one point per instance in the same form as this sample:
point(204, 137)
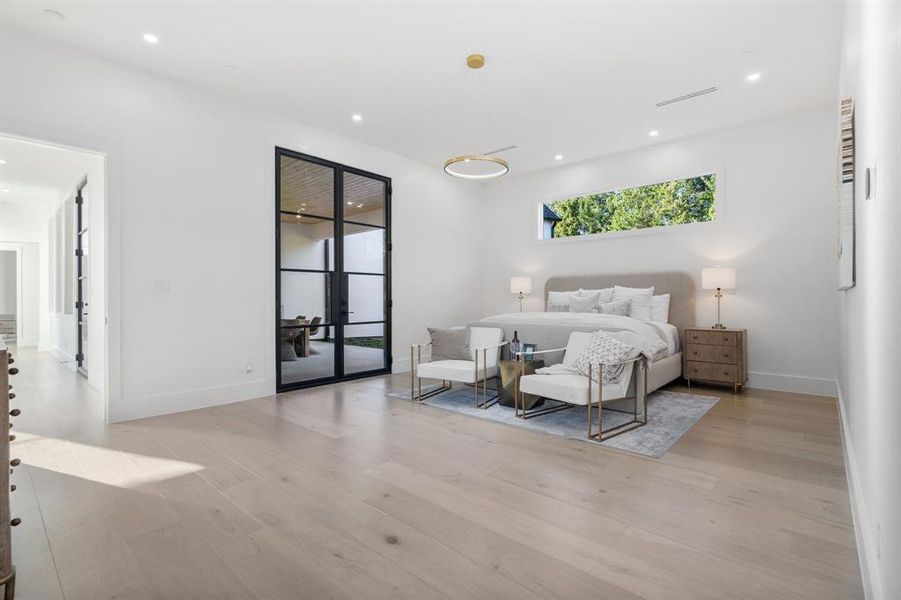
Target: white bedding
point(660, 339)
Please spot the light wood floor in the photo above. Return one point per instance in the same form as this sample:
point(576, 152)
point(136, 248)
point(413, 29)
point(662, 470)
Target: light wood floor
point(340, 492)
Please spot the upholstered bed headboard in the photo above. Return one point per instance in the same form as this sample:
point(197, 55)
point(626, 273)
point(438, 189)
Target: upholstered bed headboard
point(680, 287)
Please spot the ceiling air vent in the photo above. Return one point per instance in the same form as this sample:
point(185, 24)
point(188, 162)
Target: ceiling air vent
point(709, 90)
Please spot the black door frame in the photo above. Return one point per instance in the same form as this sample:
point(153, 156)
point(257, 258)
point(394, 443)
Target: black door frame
point(337, 287)
point(80, 303)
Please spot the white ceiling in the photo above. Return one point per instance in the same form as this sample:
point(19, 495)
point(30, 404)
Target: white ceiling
point(36, 172)
point(576, 78)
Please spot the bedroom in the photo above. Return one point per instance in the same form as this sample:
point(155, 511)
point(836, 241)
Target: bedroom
point(264, 433)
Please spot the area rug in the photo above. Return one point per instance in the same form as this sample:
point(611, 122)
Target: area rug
point(670, 416)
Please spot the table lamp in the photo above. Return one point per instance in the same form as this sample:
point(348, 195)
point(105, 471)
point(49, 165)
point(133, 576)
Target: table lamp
point(719, 279)
point(521, 286)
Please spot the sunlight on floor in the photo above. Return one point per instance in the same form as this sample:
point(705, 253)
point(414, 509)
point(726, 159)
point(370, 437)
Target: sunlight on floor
point(108, 466)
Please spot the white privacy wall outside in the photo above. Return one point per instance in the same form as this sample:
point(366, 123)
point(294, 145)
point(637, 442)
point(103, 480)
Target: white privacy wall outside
point(191, 188)
point(775, 225)
point(303, 246)
point(870, 376)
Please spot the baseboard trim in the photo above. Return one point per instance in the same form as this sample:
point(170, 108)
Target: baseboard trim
point(164, 404)
point(792, 383)
point(865, 543)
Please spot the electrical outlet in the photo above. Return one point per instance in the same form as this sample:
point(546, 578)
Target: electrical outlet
point(248, 368)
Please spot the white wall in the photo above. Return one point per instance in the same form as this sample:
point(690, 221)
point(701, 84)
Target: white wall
point(776, 225)
point(870, 376)
point(190, 184)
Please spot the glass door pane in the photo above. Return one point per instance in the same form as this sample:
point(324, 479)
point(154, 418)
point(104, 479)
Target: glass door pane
point(364, 290)
point(307, 286)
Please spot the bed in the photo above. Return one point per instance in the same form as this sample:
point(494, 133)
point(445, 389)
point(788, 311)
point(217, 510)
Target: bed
point(552, 329)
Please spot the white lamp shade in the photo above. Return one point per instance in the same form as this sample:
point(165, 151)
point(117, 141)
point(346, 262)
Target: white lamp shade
point(521, 285)
point(718, 277)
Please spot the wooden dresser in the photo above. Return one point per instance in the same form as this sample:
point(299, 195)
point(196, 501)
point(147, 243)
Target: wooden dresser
point(716, 356)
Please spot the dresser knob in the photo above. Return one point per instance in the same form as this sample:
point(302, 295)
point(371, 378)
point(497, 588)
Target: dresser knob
point(15, 462)
point(15, 522)
point(15, 412)
point(12, 487)
point(13, 371)
point(12, 438)
point(12, 395)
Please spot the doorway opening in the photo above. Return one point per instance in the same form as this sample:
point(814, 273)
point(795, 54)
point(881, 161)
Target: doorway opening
point(333, 271)
point(52, 216)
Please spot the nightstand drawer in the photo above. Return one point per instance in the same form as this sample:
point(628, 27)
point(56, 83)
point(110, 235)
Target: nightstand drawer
point(724, 373)
point(697, 370)
point(716, 338)
point(712, 354)
point(712, 372)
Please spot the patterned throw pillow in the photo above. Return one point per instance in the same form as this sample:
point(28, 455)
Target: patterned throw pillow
point(620, 307)
point(559, 301)
point(606, 350)
point(584, 304)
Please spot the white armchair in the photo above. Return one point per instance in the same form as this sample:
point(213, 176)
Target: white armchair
point(574, 389)
point(485, 344)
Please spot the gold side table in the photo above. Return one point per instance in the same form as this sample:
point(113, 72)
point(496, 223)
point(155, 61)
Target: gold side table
point(511, 371)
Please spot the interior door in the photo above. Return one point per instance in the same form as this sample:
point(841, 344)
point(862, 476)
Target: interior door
point(332, 271)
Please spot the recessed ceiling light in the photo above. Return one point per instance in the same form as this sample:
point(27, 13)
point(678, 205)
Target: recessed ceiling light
point(357, 117)
point(54, 14)
point(150, 38)
point(350, 203)
point(653, 133)
point(558, 157)
point(753, 76)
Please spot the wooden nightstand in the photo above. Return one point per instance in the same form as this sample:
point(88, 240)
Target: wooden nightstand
point(716, 356)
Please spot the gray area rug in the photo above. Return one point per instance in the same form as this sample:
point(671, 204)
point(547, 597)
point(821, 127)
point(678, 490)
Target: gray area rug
point(670, 416)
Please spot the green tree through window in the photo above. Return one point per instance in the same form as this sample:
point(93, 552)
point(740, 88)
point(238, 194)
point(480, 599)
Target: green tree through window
point(674, 202)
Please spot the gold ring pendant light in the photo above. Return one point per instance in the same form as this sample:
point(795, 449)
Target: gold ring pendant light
point(476, 166)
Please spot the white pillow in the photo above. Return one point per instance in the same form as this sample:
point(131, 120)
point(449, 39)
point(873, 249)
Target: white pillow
point(559, 301)
point(660, 308)
point(620, 292)
point(606, 294)
point(620, 307)
point(585, 303)
point(640, 308)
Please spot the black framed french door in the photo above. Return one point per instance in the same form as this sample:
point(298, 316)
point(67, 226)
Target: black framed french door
point(332, 271)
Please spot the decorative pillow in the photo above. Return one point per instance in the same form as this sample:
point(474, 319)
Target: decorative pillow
point(640, 307)
point(606, 294)
point(606, 350)
point(660, 308)
point(620, 307)
point(620, 292)
point(450, 344)
point(559, 301)
point(585, 303)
